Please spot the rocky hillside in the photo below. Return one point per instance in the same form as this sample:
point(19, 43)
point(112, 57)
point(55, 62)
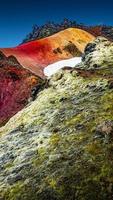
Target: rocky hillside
point(38, 54)
point(16, 86)
point(60, 147)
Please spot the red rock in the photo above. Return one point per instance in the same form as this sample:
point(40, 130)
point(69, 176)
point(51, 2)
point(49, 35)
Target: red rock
point(16, 84)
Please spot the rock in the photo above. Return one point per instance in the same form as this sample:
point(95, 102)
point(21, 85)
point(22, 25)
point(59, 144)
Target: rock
point(14, 178)
point(89, 48)
point(60, 146)
point(72, 49)
point(79, 127)
point(96, 56)
point(2, 56)
point(12, 59)
point(37, 88)
point(16, 85)
point(57, 76)
point(106, 129)
point(110, 84)
point(55, 155)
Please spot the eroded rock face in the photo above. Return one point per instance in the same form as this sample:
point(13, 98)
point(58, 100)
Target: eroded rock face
point(16, 84)
point(57, 147)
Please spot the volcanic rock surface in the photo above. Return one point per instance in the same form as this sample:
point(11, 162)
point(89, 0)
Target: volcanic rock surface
point(16, 85)
point(60, 147)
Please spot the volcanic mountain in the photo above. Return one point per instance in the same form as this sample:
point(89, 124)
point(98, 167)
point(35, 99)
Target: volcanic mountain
point(38, 54)
point(21, 68)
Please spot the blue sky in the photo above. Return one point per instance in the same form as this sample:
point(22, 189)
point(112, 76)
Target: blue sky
point(18, 16)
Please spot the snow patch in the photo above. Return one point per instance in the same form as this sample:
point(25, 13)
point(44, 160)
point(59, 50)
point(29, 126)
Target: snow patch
point(53, 68)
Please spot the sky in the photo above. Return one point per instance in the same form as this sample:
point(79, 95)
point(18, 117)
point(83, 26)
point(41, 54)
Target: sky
point(18, 16)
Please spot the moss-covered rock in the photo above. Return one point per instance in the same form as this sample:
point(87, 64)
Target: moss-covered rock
point(99, 55)
point(60, 146)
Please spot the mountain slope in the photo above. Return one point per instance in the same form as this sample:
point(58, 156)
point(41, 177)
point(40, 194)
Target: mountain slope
point(37, 54)
point(60, 147)
point(16, 84)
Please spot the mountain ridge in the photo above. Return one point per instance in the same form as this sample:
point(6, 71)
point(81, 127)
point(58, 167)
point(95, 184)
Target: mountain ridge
point(37, 54)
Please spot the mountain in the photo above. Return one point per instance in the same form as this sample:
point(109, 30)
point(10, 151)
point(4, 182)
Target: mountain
point(38, 54)
point(16, 85)
point(21, 68)
point(50, 28)
point(102, 30)
point(60, 147)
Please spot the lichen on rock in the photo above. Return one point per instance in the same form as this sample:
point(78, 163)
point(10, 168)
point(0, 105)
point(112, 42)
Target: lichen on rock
point(99, 55)
point(60, 146)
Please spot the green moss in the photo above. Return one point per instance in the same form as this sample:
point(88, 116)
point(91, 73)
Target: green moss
point(73, 161)
point(74, 120)
point(51, 182)
point(9, 165)
point(14, 192)
point(94, 148)
point(20, 191)
point(54, 139)
point(41, 156)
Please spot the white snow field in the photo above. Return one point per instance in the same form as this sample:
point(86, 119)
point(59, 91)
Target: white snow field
point(53, 68)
